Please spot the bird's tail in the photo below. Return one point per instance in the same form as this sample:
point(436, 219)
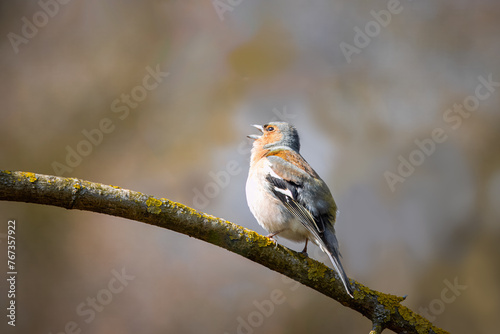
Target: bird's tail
point(329, 241)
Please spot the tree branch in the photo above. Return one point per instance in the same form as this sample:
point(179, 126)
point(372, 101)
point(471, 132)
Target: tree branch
point(384, 310)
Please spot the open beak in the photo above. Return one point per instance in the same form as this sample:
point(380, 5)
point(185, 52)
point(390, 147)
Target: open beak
point(254, 137)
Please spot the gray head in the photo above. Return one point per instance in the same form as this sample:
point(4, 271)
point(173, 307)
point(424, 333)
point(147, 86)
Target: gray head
point(276, 134)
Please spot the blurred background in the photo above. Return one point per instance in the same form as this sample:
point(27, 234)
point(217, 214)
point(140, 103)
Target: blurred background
point(397, 104)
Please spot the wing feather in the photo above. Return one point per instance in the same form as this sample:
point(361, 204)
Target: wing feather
point(287, 193)
point(286, 181)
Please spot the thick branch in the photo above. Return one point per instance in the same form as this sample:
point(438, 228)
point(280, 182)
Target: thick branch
point(382, 309)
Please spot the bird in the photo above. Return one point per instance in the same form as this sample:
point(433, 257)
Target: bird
point(286, 195)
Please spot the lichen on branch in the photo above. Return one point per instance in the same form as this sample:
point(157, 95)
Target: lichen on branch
point(384, 310)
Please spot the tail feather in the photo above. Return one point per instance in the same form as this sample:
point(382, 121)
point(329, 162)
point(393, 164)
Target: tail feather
point(330, 246)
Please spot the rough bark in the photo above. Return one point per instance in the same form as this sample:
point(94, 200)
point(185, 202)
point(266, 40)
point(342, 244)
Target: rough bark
point(384, 310)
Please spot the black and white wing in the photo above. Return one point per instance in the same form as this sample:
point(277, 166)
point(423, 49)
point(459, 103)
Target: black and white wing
point(293, 189)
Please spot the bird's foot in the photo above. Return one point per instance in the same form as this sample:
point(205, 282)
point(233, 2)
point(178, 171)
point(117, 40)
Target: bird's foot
point(271, 236)
point(304, 251)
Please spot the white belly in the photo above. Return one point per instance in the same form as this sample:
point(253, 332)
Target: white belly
point(270, 212)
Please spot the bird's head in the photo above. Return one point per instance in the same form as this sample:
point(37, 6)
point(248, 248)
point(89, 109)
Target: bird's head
point(276, 134)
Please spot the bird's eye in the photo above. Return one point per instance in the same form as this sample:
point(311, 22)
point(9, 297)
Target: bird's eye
point(270, 128)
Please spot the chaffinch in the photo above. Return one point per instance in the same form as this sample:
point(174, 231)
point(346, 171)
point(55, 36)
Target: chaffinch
point(287, 197)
